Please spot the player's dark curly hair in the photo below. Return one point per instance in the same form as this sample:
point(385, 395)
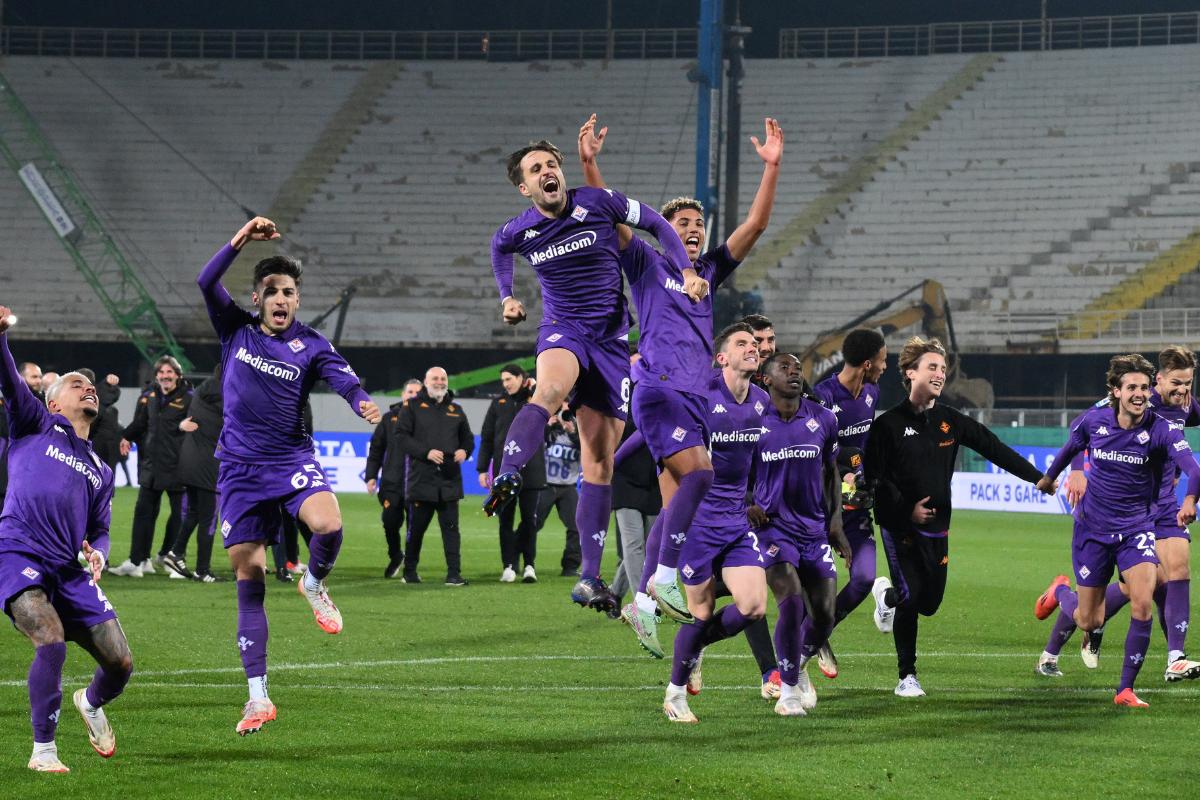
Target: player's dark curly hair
point(673, 207)
point(513, 164)
point(757, 322)
point(1120, 366)
point(277, 265)
point(861, 345)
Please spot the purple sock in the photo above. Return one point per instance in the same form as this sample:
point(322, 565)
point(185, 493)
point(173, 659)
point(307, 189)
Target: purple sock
point(323, 552)
point(591, 519)
point(677, 516)
point(1175, 614)
point(1064, 626)
point(107, 685)
point(526, 435)
point(787, 638)
point(1068, 601)
point(1160, 602)
point(653, 544)
point(252, 627)
point(45, 690)
point(725, 624)
point(1137, 641)
point(812, 637)
point(687, 651)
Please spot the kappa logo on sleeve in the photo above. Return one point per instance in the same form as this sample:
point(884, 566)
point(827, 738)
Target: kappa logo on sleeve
point(909, 432)
point(1102, 431)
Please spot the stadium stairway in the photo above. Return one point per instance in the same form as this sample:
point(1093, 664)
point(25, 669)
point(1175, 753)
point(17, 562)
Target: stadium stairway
point(803, 226)
point(1136, 290)
point(298, 188)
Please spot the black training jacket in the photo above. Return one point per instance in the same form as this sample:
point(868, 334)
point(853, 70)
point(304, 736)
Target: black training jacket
point(155, 428)
point(385, 454)
point(426, 425)
point(911, 454)
point(499, 418)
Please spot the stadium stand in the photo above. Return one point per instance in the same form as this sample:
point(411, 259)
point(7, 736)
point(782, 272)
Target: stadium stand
point(1032, 179)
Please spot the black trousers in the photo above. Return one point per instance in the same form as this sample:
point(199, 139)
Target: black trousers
point(420, 514)
point(521, 542)
point(918, 563)
point(392, 518)
point(563, 498)
point(145, 515)
point(199, 514)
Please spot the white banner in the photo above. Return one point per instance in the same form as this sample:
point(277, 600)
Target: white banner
point(1000, 491)
point(44, 196)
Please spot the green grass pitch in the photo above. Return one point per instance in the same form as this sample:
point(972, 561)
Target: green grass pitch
point(508, 690)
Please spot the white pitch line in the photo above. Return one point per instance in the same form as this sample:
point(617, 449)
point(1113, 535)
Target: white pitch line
point(405, 662)
point(1190, 691)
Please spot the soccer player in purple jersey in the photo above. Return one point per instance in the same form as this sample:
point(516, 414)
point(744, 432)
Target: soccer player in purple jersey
point(798, 514)
point(669, 403)
point(1171, 398)
point(569, 238)
point(59, 504)
point(853, 396)
point(720, 538)
point(1115, 520)
point(269, 363)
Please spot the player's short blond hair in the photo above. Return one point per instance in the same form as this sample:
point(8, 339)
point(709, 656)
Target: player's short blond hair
point(673, 207)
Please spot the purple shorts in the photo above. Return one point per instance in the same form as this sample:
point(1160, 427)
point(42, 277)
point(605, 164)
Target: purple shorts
point(1093, 555)
point(707, 549)
point(670, 420)
point(857, 525)
point(79, 600)
point(1166, 527)
point(603, 383)
point(254, 497)
point(811, 557)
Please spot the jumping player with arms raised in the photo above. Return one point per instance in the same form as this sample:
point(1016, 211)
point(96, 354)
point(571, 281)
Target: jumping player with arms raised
point(269, 365)
point(569, 238)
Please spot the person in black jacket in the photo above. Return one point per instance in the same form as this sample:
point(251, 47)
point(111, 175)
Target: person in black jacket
point(523, 541)
point(198, 474)
point(434, 433)
point(155, 427)
point(385, 454)
point(909, 465)
point(105, 435)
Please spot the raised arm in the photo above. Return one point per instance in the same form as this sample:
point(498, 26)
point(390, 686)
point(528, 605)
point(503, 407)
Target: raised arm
point(223, 312)
point(771, 152)
point(502, 268)
point(1077, 442)
point(341, 378)
point(591, 142)
point(976, 436)
point(25, 413)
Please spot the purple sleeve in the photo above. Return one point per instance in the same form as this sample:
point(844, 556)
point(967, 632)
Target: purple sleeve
point(340, 376)
point(633, 259)
point(1078, 461)
point(222, 311)
point(630, 446)
point(648, 219)
point(502, 263)
point(100, 518)
point(1180, 452)
point(25, 414)
point(1077, 442)
point(723, 265)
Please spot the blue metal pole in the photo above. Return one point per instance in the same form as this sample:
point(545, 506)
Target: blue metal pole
point(708, 106)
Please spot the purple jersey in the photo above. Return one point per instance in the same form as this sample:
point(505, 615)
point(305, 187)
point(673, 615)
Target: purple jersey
point(676, 334)
point(789, 462)
point(854, 414)
point(59, 491)
point(1127, 468)
point(266, 379)
point(734, 429)
point(1179, 418)
point(575, 257)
